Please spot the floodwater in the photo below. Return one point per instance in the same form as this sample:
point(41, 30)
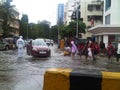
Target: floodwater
point(27, 73)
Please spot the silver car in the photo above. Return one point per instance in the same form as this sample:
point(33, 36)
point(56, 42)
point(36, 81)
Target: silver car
point(4, 45)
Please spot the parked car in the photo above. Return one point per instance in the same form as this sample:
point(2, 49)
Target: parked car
point(11, 42)
point(38, 48)
point(4, 45)
point(49, 41)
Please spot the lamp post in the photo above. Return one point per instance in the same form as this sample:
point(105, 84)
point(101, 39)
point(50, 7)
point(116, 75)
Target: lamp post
point(77, 24)
point(58, 36)
point(77, 13)
point(27, 31)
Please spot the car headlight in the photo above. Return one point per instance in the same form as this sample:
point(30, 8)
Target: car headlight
point(35, 49)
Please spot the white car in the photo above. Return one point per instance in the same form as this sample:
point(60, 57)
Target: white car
point(49, 42)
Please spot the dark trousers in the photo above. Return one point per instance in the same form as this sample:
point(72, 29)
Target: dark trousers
point(117, 57)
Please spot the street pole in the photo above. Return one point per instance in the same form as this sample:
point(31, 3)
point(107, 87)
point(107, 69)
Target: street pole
point(27, 31)
point(77, 24)
point(77, 19)
point(58, 36)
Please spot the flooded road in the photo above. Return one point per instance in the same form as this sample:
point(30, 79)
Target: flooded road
point(27, 73)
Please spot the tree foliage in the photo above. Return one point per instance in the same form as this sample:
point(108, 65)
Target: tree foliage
point(70, 30)
point(32, 30)
point(6, 11)
point(45, 28)
point(54, 33)
point(24, 26)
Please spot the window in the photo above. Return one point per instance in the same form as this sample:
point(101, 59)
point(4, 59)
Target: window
point(89, 18)
point(108, 4)
point(90, 7)
point(98, 7)
point(107, 19)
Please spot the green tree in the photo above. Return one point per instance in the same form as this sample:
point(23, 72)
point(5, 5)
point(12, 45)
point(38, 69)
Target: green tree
point(34, 31)
point(6, 11)
point(24, 26)
point(54, 33)
point(45, 29)
point(70, 30)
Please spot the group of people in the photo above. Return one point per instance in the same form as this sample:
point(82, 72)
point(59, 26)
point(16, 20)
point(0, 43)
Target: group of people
point(91, 49)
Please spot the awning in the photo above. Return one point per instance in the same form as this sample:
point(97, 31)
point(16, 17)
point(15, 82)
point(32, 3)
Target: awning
point(105, 29)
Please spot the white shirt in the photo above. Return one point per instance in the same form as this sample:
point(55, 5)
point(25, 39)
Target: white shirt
point(118, 50)
point(20, 43)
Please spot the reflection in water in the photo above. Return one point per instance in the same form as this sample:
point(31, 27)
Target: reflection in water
point(6, 78)
point(33, 83)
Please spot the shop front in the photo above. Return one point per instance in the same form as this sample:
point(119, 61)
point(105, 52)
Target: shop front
point(106, 33)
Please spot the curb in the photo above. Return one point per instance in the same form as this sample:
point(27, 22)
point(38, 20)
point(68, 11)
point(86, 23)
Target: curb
point(76, 79)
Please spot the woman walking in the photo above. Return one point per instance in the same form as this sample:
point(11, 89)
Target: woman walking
point(110, 51)
point(74, 49)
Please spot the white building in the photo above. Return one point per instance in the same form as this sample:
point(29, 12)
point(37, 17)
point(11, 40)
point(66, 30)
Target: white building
point(110, 30)
point(92, 14)
point(70, 7)
point(89, 9)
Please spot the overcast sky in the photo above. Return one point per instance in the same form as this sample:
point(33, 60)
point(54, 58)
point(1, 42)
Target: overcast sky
point(39, 9)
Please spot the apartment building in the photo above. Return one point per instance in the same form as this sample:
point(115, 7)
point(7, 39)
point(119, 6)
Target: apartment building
point(90, 11)
point(70, 7)
point(92, 14)
point(14, 25)
point(110, 29)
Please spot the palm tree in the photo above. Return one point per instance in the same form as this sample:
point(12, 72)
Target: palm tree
point(7, 15)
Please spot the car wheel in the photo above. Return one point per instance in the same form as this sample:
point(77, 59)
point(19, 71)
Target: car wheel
point(6, 48)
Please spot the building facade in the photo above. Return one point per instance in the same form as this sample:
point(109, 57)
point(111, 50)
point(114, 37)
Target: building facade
point(14, 24)
point(70, 7)
point(92, 14)
point(60, 18)
point(90, 11)
point(110, 30)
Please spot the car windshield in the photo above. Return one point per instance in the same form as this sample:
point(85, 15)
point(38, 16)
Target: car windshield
point(38, 43)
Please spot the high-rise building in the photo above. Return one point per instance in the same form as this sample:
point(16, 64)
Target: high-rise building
point(60, 14)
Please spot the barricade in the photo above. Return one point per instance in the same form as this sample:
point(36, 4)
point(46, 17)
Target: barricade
point(78, 79)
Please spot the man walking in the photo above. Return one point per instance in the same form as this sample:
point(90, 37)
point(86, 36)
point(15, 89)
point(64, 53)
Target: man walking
point(20, 45)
